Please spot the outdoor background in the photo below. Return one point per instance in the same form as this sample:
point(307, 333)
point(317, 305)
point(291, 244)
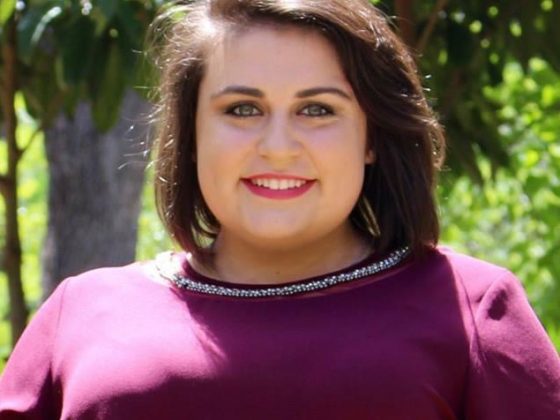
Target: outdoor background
point(75, 134)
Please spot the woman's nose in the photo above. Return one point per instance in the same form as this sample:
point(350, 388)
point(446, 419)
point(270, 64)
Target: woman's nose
point(279, 140)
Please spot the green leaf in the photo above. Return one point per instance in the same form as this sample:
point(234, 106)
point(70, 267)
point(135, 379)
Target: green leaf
point(7, 8)
point(46, 19)
point(71, 101)
point(77, 41)
point(108, 7)
point(40, 91)
point(129, 48)
point(25, 30)
point(107, 101)
point(131, 24)
point(32, 27)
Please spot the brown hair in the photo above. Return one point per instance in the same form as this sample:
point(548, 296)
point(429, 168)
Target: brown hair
point(397, 205)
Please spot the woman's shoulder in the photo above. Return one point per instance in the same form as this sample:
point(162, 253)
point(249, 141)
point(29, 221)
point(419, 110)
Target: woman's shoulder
point(486, 290)
point(102, 295)
point(473, 273)
point(467, 263)
point(476, 270)
point(137, 277)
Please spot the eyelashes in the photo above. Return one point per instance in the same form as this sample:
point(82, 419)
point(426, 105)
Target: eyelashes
point(248, 109)
point(243, 110)
point(316, 110)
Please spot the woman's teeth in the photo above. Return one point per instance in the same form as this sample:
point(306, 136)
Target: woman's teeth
point(278, 184)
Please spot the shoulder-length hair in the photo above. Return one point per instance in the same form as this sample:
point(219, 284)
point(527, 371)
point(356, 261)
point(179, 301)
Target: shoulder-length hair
point(396, 207)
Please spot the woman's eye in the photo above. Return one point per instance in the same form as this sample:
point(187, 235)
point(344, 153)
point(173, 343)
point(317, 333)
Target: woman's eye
point(243, 110)
point(316, 110)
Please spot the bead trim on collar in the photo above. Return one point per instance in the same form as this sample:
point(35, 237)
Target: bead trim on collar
point(164, 266)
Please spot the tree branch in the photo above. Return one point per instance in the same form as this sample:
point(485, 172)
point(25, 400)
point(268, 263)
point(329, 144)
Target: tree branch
point(12, 244)
point(405, 15)
point(4, 184)
point(22, 150)
point(429, 29)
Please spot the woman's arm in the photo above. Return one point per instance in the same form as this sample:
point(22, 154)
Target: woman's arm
point(515, 370)
point(27, 388)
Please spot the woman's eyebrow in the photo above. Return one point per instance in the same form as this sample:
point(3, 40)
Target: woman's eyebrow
point(257, 93)
point(321, 90)
point(236, 89)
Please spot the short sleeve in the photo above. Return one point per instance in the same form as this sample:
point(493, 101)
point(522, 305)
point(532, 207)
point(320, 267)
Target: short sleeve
point(515, 370)
point(27, 390)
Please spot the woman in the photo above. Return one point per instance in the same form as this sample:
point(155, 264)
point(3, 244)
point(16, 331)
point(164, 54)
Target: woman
point(295, 168)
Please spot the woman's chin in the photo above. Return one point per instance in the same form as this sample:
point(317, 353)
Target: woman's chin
point(280, 236)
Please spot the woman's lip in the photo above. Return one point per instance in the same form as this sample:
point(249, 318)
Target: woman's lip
point(277, 176)
point(278, 194)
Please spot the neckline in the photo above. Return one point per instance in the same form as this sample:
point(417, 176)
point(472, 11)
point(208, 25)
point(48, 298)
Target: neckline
point(175, 268)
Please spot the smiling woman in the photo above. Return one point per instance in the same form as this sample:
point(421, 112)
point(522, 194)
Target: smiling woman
point(296, 166)
point(338, 65)
point(276, 111)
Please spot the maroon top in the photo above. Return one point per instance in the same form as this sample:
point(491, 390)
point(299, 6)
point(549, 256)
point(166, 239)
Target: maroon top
point(449, 337)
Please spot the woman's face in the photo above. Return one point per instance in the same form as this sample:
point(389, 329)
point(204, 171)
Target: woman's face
point(281, 139)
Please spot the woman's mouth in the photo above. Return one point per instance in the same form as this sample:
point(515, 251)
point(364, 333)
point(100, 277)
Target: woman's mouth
point(278, 184)
point(278, 187)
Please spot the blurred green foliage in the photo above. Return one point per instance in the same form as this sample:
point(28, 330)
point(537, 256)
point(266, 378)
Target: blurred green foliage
point(33, 218)
point(513, 218)
point(152, 237)
point(74, 50)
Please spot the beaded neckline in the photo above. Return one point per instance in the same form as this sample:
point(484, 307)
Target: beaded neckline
point(167, 270)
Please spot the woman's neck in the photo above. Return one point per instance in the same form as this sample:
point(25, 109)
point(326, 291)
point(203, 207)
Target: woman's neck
point(241, 262)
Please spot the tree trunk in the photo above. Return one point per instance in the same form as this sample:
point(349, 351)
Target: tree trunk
point(95, 190)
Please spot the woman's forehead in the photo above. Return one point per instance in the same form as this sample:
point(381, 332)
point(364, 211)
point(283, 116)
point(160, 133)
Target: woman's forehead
point(274, 56)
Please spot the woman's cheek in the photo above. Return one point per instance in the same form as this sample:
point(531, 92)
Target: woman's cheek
point(232, 138)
